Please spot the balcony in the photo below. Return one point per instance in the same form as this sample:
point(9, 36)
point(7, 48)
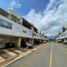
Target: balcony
point(17, 30)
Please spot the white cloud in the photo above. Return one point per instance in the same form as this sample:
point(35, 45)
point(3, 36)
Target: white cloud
point(51, 19)
point(14, 4)
point(34, 18)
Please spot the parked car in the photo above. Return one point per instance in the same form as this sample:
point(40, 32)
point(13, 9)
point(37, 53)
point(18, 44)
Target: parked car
point(28, 45)
point(10, 44)
point(59, 41)
point(65, 41)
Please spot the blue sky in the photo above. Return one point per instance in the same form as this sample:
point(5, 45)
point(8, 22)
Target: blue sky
point(25, 5)
point(47, 15)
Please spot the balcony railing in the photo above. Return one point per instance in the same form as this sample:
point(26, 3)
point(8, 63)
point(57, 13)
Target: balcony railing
point(17, 30)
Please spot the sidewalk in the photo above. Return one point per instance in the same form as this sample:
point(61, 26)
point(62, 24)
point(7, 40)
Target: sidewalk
point(9, 56)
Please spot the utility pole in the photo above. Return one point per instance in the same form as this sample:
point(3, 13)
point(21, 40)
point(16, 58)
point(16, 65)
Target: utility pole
point(32, 36)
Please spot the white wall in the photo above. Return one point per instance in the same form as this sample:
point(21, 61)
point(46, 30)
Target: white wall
point(17, 30)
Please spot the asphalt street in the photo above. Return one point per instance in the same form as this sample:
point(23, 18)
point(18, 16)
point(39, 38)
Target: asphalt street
point(52, 55)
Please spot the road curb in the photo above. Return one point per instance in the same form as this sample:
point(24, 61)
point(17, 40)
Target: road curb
point(21, 56)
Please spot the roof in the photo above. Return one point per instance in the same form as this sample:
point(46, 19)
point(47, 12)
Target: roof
point(13, 13)
point(3, 12)
point(29, 24)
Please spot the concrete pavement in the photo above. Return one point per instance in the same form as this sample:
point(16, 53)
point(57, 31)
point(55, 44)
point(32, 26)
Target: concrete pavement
point(53, 55)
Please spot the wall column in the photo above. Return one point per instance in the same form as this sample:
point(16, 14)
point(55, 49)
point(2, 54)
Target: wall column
point(18, 42)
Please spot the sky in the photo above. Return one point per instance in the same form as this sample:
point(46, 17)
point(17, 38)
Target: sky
point(47, 15)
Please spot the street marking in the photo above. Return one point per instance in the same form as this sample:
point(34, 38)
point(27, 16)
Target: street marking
point(25, 64)
point(30, 62)
point(50, 64)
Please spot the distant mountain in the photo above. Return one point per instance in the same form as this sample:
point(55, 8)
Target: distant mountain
point(51, 37)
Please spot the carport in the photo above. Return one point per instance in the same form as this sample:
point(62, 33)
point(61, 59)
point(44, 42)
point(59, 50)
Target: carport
point(9, 41)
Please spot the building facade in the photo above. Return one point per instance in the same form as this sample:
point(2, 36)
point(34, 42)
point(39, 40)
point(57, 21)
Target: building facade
point(63, 35)
point(15, 29)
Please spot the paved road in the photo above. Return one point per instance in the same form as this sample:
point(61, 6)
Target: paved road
point(53, 55)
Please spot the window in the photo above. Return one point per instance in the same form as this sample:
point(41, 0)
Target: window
point(5, 24)
point(26, 24)
point(24, 31)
